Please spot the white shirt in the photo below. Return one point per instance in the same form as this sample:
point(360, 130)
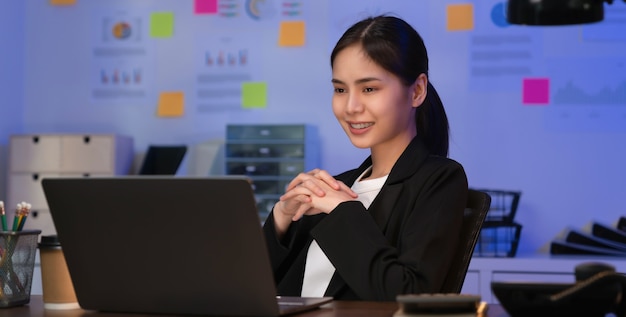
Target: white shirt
point(318, 269)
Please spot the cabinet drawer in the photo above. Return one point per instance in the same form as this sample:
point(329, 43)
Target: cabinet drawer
point(265, 132)
point(265, 206)
point(547, 277)
point(40, 219)
point(269, 187)
point(264, 168)
point(471, 285)
point(85, 153)
point(35, 153)
point(265, 150)
point(27, 187)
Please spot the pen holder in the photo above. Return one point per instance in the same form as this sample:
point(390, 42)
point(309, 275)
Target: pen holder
point(17, 263)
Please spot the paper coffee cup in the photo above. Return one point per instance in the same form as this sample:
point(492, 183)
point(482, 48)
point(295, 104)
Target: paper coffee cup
point(57, 287)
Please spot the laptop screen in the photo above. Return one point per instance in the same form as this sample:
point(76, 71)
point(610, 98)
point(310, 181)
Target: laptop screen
point(159, 244)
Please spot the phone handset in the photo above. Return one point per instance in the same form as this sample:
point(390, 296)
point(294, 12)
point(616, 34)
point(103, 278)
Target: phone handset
point(599, 283)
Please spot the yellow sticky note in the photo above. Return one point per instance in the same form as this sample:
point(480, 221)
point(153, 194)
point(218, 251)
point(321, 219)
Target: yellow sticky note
point(171, 104)
point(162, 24)
point(460, 17)
point(62, 2)
point(291, 33)
point(254, 95)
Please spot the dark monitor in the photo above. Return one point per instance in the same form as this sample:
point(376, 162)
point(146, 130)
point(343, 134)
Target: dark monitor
point(162, 160)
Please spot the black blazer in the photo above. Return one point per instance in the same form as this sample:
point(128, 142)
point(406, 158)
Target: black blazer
point(404, 243)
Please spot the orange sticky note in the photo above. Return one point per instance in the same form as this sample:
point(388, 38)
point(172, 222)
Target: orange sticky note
point(291, 33)
point(460, 17)
point(171, 104)
point(62, 2)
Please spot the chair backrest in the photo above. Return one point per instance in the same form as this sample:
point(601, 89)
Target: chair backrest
point(478, 204)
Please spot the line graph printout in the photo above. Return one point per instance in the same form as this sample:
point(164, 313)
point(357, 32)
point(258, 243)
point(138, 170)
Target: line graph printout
point(588, 94)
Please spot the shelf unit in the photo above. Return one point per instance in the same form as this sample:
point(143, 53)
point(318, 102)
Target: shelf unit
point(271, 155)
point(33, 157)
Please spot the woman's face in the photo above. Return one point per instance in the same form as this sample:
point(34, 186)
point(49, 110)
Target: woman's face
point(375, 109)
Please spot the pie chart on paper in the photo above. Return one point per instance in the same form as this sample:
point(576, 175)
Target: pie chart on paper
point(498, 15)
point(121, 30)
point(260, 9)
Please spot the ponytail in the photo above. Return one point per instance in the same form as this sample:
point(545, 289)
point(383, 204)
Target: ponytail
point(432, 123)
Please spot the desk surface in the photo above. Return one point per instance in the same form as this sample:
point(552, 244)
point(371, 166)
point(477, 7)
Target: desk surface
point(334, 309)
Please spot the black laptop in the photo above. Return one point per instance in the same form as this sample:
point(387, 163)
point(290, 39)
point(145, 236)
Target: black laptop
point(167, 245)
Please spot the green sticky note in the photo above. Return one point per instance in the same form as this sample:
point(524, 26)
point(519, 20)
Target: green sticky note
point(254, 95)
point(162, 24)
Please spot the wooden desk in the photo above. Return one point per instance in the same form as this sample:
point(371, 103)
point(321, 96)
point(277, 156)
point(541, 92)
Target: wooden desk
point(334, 309)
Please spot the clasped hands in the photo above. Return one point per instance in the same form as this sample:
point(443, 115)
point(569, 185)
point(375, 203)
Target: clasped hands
point(312, 193)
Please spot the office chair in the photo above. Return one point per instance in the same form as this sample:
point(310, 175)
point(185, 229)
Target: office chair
point(478, 204)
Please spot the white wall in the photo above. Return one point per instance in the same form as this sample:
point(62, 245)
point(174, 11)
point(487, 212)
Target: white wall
point(565, 158)
point(11, 77)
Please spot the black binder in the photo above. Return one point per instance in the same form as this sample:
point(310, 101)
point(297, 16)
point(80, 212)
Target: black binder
point(574, 236)
point(608, 233)
point(561, 247)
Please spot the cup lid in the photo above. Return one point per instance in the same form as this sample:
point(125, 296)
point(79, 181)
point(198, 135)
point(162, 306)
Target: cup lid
point(49, 241)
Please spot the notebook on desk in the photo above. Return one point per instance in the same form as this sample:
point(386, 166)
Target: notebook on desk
point(162, 244)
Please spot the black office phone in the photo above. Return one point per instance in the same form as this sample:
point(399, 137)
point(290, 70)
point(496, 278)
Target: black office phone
point(598, 291)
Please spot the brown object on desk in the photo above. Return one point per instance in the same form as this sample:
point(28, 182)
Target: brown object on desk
point(58, 291)
point(334, 309)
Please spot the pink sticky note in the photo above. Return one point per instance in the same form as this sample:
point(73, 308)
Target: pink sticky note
point(536, 91)
point(205, 6)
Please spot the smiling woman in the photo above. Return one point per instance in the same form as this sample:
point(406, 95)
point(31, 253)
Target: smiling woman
point(390, 226)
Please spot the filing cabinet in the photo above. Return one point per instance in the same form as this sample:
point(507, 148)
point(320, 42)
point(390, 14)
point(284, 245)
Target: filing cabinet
point(33, 157)
point(537, 267)
point(271, 155)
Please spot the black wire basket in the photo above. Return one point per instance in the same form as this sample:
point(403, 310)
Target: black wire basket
point(500, 234)
point(498, 240)
point(17, 263)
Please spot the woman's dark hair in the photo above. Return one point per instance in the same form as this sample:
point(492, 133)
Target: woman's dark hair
point(394, 45)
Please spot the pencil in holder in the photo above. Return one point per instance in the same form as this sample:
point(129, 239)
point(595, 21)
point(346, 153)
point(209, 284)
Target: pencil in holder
point(17, 263)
